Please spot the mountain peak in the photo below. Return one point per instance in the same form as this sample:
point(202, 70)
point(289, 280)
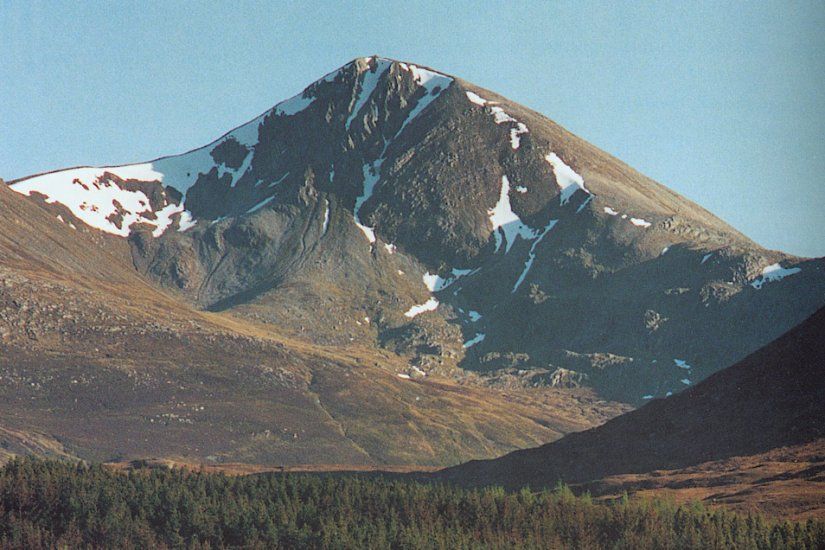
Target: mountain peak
point(390, 191)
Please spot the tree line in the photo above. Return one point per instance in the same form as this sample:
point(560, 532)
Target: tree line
point(50, 504)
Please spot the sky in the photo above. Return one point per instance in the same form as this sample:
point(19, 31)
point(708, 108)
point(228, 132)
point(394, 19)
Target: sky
point(721, 101)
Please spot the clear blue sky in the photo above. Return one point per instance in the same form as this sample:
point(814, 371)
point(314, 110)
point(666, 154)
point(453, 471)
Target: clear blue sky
point(721, 101)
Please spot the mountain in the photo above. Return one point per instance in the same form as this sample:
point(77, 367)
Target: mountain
point(770, 399)
point(389, 223)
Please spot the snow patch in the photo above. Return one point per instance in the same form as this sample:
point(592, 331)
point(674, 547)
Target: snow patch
point(774, 272)
point(639, 222)
point(682, 364)
point(685, 381)
point(610, 211)
point(186, 221)
point(516, 133)
point(706, 257)
point(474, 316)
point(165, 218)
point(477, 99)
point(93, 197)
point(436, 283)
point(429, 305)
point(566, 178)
point(505, 221)
point(500, 116)
point(479, 337)
point(246, 135)
point(294, 104)
point(647, 397)
point(238, 174)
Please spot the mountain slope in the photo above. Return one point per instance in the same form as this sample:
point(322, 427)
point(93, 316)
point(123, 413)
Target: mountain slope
point(772, 398)
point(786, 482)
point(93, 357)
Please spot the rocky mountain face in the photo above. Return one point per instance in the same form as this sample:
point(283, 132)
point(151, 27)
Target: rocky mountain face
point(433, 229)
point(96, 362)
point(769, 400)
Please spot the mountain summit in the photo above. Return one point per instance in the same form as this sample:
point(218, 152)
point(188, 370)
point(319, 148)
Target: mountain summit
point(429, 228)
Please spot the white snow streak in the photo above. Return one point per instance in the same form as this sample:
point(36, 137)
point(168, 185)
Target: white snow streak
point(279, 180)
point(325, 225)
point(479, 337)
point(372, 173)
point(260, 205)
point(368, 83)
point(532, 255)
point(429, 305)
point(584, 203)
point(430, 81)
point(566, 178)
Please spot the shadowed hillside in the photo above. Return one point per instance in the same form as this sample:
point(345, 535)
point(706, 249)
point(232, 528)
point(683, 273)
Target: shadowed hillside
point(773, 398)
